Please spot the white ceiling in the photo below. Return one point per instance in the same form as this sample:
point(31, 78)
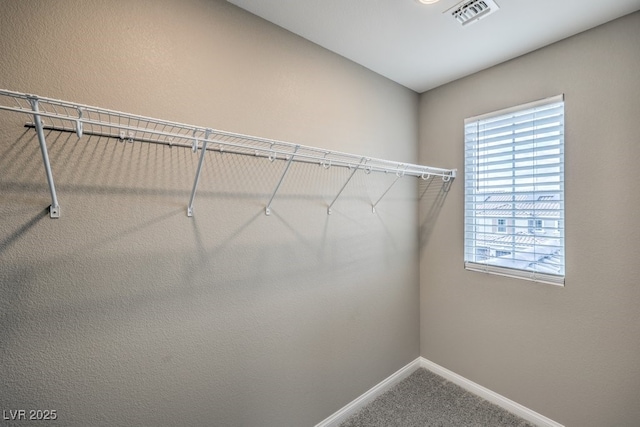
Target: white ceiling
point(419, 46)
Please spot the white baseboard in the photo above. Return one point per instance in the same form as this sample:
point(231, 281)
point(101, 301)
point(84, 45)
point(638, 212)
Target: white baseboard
point(493, 397)
point(515, 408)
point(341, 415)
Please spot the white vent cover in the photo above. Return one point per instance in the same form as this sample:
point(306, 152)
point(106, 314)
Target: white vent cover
point(470, 11)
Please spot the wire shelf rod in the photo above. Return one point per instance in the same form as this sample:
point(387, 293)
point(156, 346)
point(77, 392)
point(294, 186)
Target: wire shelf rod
point(114, 119)
point(328, 156)
point(89, 120)
point(264, 153)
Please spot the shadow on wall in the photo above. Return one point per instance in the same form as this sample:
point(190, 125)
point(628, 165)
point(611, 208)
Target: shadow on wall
point(98, 166)
point(123, 289)
point(432, 194)
point(22, 231)
point(124, 211)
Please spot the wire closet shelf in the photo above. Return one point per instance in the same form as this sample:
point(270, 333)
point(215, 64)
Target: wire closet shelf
point(64, 116)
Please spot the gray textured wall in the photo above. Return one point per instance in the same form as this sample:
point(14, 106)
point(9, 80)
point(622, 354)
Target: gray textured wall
point(126, 312)
point(569, 353)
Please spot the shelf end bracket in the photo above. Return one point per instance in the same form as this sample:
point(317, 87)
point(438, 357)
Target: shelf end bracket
point(54, 209)
point(353, 172)
point(267, 210)
point(203, 151)
point(398, 176)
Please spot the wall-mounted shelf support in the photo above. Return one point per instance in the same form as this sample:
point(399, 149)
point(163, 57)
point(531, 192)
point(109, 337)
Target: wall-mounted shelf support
point(267, 210)
point(203, 151)
point(353, 172)
point(64, 116)
point(54, 209)
point(373, 207)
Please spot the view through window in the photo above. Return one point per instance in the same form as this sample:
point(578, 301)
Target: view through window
point(514, 191)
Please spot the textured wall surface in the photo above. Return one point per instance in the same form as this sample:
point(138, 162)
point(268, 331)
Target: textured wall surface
point(569, 353)
point(126, 312)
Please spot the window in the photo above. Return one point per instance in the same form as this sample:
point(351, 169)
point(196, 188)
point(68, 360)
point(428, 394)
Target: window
point(535, 226)
point(514, 175)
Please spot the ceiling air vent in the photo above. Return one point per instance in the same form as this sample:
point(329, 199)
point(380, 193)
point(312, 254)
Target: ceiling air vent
point(470, 11)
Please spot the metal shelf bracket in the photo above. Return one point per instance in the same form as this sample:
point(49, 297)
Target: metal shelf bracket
point(54, 209)
point(203, 151)
point(363, 161)
point(399, 174)
point(267, 210)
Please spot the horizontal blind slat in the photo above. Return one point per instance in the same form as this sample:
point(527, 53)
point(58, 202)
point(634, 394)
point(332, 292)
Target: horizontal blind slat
point(507, 133)
point(515, 193)
point(530, 118)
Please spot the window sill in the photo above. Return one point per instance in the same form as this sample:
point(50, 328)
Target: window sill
point(517, 274)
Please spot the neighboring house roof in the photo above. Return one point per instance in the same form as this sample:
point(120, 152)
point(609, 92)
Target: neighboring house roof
point(541, 254)
point(542, 260)
point(520, 206)
point(534, 252)
point(519, 239)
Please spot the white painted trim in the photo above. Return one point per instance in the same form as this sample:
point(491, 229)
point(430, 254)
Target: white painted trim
point(341, 415)
point(528, 105)
point(493, 397)
point(515, 408)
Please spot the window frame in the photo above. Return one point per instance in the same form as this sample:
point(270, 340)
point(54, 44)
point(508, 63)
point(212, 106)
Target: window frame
point(480, 261)
point(535, 225)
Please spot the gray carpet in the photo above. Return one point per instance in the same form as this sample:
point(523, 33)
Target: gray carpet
point(425, 399)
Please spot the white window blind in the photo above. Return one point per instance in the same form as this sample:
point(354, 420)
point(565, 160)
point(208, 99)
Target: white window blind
point(514, 192)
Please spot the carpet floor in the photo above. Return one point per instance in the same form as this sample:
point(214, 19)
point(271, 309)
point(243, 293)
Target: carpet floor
point(425, 399)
